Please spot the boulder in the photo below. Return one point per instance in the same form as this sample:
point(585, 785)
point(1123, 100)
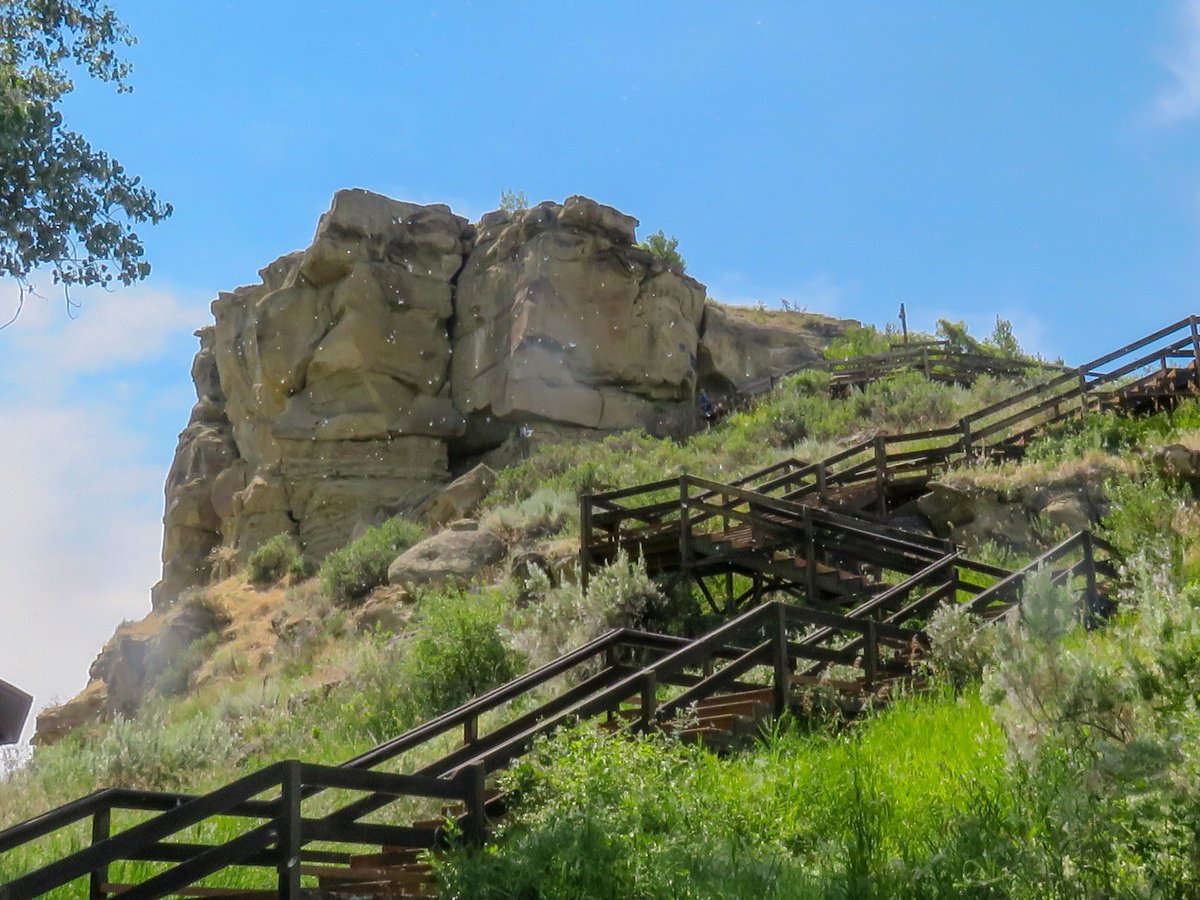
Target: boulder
point(387, 609)
point(1180, 462)
point(454, 556)
point(947, 506)
point(459, 498)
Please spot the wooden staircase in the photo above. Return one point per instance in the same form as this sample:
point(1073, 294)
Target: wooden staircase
point(867, 590)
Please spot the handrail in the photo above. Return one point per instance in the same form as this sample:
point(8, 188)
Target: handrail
point(460, 774)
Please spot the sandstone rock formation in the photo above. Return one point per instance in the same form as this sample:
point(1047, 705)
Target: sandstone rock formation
point(406, 345)
point(129, 666)
point(1025, 517)
point(458, 499)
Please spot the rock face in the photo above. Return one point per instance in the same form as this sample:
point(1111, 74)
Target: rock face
point(405, 344)
point(561, 317)
point(129, 665)
point(1025, 518)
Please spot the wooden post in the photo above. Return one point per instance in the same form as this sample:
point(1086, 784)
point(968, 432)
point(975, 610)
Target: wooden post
point(649, 700)
point(870, 655)
point(470, 730)
point(783, 672)
point(1195, 351)
point(685, 525)
point(881, 473)
point(810, 558)
point(685, 541)
point(101, 831)
point(585, 541)
point(965, 424)
point(1091, 598)
point(288, 827)
point(822, 483)
point(475, 795)
point(904, 323)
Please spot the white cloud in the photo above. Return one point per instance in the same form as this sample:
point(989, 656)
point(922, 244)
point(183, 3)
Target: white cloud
point(1181, 98)
point(44, 347)
point(81, 473)
point(79, 542)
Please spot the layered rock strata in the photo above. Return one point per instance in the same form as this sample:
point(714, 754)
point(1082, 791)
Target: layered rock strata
point(406, 344)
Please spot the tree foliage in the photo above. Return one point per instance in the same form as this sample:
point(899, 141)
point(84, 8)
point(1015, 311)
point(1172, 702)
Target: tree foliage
point(64, 204)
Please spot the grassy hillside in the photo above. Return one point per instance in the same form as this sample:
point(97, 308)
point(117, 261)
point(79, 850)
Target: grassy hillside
point(1063, 766)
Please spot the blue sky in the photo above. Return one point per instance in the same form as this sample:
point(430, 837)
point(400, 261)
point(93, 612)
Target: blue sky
point(1032, 160)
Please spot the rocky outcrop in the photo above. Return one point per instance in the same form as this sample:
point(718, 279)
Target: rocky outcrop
point(130, 665)
point(736, 351)
point(405, 345)
point(458, 499)
point(1022, 517)
point(561, 317)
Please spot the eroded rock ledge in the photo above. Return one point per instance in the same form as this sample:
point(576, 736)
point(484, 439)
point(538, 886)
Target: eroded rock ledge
point(406, 344)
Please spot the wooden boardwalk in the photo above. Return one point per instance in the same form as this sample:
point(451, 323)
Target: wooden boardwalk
point(865, 592)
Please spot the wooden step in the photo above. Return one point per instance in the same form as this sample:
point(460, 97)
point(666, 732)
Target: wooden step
point(753, 709)
point(764, 695)
point(118, 888)
point(723, 721)
point(704, 734)
point(390, 856)
point(401, 875)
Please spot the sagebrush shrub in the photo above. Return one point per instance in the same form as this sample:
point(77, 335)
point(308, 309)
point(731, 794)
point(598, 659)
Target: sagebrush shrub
point(559, 618)
point(349, 574)
point(458, 651)
point(278, 557)
point(960, 645)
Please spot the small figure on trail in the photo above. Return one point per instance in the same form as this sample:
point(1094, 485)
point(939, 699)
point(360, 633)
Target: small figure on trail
point(707, 407)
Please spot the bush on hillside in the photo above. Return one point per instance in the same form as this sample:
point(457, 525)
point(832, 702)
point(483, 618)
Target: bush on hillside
point(561, 617)
point(278, 557)
point(457, 652)
point(349, 574)
point(859, 340)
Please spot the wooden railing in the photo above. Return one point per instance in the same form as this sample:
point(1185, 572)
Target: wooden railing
point(891, 461)
point(936, 360)
point(271, 800)
point(622, 666)
point(669, 517)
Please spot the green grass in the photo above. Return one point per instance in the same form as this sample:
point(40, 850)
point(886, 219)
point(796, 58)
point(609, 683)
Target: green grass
point(925, 799)
point(850, 814)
